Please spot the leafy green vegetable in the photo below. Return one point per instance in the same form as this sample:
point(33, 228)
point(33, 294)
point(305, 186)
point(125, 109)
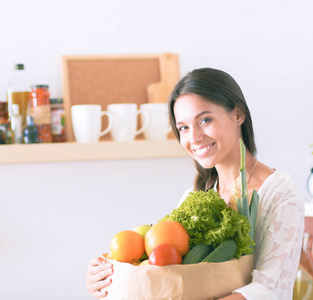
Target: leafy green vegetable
point(207, 220)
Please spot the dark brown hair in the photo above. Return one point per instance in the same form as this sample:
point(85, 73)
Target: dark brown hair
point(219, 88)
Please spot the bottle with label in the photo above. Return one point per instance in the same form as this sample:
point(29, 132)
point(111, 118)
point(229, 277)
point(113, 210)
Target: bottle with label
point(5, 124)
point(18, 92)
point(57, 120)
point(3, 110)
point(16, 124)
point(40, 110)
point(30, 133)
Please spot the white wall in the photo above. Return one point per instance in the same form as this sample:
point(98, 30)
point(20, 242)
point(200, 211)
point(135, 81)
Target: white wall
point(55, 217)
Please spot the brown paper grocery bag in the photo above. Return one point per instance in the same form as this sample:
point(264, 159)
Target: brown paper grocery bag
point(200, 281)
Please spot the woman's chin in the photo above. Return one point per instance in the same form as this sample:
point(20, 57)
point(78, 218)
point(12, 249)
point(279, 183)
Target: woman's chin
point(204, 163)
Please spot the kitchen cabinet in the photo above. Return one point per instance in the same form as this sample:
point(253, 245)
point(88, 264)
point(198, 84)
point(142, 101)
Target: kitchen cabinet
point(107, 150)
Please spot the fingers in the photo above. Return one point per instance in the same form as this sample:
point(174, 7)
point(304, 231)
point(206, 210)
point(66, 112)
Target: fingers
point(97, 276)
point(96, 261)
point(99, 294)
point(94, 270)
point(97, 264)
point(101, 284)
point(102, 275)
point(97, 289)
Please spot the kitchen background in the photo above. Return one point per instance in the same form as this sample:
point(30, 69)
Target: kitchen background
point(54, 217)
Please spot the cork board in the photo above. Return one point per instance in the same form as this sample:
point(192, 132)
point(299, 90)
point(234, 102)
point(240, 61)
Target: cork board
point(117, 79)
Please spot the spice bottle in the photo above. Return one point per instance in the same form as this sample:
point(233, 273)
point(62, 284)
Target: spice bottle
point(30, 133)
point(57, 120)
point(40, 110)
point(18, 92)
point(16, 124)
point(5, 124)
point(3, 110)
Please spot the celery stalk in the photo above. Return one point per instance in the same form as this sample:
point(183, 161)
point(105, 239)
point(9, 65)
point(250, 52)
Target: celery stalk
point(243, 207)
point(253, 209)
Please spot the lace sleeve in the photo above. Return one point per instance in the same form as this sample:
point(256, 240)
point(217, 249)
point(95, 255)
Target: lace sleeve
point(278, 238)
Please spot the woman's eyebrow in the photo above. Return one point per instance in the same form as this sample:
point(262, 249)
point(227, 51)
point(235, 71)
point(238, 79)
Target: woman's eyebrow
point(203, 113)
point(197, 116)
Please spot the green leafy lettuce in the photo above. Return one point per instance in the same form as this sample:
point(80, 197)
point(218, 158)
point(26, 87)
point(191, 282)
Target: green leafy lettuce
point(207, 220)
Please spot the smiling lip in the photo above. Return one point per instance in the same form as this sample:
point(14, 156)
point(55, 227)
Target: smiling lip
point(201, 151)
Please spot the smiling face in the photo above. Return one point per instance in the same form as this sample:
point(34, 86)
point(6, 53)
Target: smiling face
point(208, 133)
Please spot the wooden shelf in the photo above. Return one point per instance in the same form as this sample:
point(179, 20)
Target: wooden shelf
point(62, 152)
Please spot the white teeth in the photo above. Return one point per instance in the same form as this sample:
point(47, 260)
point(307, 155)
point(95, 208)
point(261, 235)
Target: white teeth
point(201, 151)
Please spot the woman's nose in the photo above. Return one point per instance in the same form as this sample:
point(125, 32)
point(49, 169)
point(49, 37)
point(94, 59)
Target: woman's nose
point(196, 135)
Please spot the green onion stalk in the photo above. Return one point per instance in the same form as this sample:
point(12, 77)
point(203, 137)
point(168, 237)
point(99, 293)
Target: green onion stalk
point(249, 211)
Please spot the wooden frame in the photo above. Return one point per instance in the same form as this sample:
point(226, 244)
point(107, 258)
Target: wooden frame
point(105, 79)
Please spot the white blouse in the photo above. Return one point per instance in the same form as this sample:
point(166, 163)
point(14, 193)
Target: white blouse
point(278, 238)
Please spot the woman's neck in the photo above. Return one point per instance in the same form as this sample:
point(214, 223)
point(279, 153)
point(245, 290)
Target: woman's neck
point(227, 175)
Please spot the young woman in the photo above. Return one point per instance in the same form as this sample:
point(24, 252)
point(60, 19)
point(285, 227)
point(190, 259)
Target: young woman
point(209, 114)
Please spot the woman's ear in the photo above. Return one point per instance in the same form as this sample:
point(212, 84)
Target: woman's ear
point(239, 115)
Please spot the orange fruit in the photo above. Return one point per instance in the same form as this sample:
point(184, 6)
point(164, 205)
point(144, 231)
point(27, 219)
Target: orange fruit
point(167, 232)
point(127, 246)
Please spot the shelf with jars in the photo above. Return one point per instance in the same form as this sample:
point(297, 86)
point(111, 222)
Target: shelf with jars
point(32, 111)
point(12, 151)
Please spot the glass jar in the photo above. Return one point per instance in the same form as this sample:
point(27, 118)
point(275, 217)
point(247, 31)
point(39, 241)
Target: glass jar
point(3, 110)
point(40, 110)
point(30, 132)
point(57, 120)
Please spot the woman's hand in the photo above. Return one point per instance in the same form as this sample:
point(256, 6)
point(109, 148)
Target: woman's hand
point(97, 276)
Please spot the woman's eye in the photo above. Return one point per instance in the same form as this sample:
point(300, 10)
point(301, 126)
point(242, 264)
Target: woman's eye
point(205, 120)
point(182, 128)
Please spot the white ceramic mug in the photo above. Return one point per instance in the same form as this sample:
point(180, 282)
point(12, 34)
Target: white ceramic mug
point(159, 126)
point(124, 117)
point(87, 122)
